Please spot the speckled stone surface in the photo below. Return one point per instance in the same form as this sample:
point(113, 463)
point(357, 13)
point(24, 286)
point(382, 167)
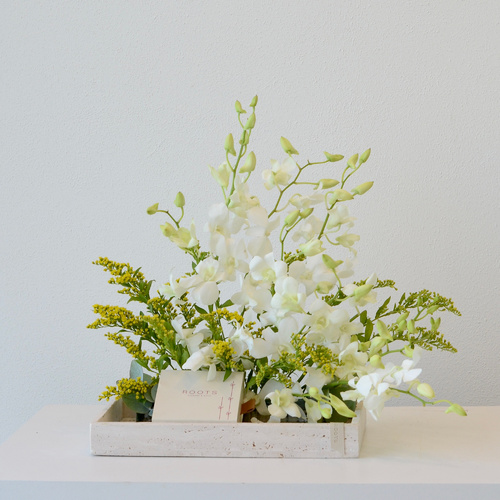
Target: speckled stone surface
point(113, 435)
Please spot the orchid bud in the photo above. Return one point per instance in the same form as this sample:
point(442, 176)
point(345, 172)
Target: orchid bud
point(376, 345)
point(291, 218)
point(352, 161)
point(455, 408)
point(330, 263)
point(287, 147)
point(364, 346)
point(402, 326)
point(376, 361)
point(435, 324)
point(312, 247)
point(313, 391)
point(238, 108)
point(426, 391)
point(244, 138)
point(167, 229)
point(362, 290)
point(402, 317)
point(229, 145)
point(326, 412)
point(250, 124)
point(254, 102)
point(249, 165)
point(152, 209)
point(363, 188)
point(341, 195)
point(432, 309)
point(364, 157)
point(382, 330)
point(304, 214)
point(327, 183)
point(179, 200)
point(408, 351)
point(410, 326)
point(333, 158)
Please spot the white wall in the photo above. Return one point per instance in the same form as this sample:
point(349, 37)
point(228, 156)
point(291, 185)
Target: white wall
point(108, 107)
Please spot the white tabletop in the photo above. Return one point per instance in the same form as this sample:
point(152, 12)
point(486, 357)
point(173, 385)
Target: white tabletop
point(437, 454)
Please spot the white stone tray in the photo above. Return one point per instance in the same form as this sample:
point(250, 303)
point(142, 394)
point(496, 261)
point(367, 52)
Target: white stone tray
point(116, 433)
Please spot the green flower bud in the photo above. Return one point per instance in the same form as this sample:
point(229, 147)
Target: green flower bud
point(408, 351)
point(376, 361)
point(244, 138)
point(327, 183)
point(330, 263)
point(292, 217)
point(362, 290)
point(332, 158)
point(229, 145)
point(254, 102)
point(435, 324)
point(312, 247)
point(402, 317)
point(179, 200)
point(152, 209)
point(249, 165)
point(250, 124)
point(351, 162)
point(326, 412)
point(402, 326)
point(377, 344)
point(304, 214)
point(410, 326)
point(426, 391)
point(382, 330)
point(238, 108)
point(313, 391)
point(168, 230)
point(363, 188)
point(455, 408)
point(341, 195)
point(364, 157)
point(287, 146)
point(364, 346)
point(432, 309)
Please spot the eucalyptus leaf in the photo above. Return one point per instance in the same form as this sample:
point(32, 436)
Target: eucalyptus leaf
point(136, 405)
point(135, 370)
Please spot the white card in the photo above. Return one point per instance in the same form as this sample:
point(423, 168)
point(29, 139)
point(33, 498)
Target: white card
point(187, 396)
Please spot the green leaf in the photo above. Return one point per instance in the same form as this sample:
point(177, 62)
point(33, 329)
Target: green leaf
point(135, 370)
point(368, 330)
point(228, 303)
point(147, 378)
point(363, 317)
point(154, 390)
point(383, 308)
point(136, 405)
point(200, 310)
point(227, 374)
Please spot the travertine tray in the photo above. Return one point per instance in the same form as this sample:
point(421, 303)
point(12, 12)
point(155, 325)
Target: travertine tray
point(116, 433)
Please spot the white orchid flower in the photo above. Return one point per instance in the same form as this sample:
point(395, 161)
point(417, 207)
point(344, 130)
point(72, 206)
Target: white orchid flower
point(287, 298)
point(279, 174)
point(267, 269)
point(202, 358)
point(203, 285)
point(283, 404)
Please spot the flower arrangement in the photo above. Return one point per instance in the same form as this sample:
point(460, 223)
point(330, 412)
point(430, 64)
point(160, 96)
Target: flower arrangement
point(312, 345)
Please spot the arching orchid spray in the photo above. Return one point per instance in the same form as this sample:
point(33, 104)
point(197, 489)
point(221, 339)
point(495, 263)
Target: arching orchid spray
point(312, 344)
